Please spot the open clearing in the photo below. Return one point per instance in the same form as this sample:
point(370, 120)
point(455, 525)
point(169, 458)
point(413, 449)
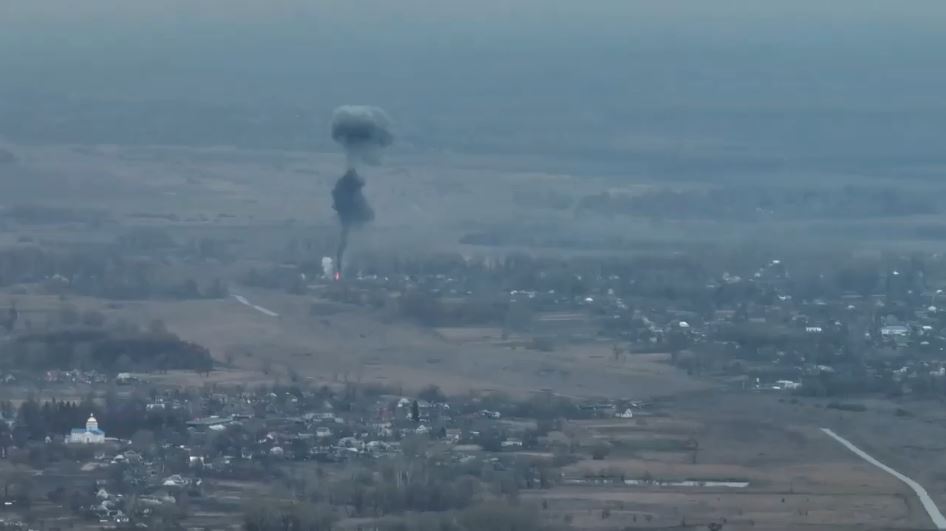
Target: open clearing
point(928, 504)
point(797, 477)
point(358, 344)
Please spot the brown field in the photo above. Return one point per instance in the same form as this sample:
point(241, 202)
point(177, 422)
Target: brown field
point(798, 477)
point(358, 345)
point(354, 344)
point(471, 334)
point(911, 445)
point(739, 511)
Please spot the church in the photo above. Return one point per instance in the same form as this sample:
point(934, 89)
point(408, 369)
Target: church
point(90, 435)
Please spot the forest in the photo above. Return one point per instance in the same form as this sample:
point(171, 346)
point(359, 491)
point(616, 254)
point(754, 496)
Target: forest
point(108, 350)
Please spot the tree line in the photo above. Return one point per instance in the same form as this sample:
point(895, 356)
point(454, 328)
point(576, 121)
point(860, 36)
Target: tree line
point(102, 349)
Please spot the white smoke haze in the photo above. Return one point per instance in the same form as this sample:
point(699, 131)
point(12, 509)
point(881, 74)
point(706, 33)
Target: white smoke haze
point(328, 267)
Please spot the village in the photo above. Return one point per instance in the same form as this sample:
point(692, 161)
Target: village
point(170, 454)
point(98, 447)
point(871, 327)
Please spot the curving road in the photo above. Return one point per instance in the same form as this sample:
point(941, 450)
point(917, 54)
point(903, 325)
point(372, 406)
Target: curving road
point(931, 509)
point(265, 311)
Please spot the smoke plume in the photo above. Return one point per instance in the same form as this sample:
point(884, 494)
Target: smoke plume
point(351, 207)
point(328, 267)
point(363, 132)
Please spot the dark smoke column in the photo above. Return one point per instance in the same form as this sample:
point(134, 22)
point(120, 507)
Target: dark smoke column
point(364, 132)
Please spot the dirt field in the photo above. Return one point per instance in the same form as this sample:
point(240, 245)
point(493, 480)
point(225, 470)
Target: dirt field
point(649, 510)
point(354, 344)
point(360, 345)
point(797, 477)
point(909, 444)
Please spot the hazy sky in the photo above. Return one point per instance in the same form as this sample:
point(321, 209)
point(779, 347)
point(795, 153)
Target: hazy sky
point(515, 68)
point(426, 39)
point(373, 21)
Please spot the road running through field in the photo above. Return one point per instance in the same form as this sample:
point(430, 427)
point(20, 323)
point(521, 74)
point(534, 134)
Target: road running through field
point(265, 311)
point(931, 509)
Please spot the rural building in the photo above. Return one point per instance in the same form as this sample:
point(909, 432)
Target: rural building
point(91, 434)
point(894, 330)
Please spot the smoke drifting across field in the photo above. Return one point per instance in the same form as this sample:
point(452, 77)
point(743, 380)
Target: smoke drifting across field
point(363, 131)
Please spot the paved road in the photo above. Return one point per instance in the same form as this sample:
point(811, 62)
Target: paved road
point(266, 311)
point(937, 517)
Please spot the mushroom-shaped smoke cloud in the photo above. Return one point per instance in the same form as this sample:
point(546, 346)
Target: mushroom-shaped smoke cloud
point(364, 132)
